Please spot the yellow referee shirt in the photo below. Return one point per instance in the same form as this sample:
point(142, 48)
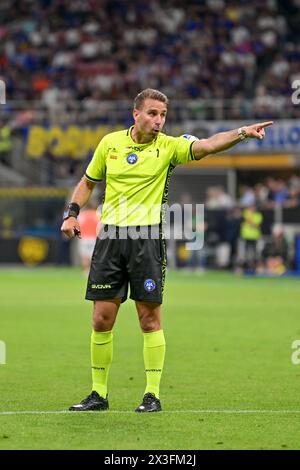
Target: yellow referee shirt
point(137, 175)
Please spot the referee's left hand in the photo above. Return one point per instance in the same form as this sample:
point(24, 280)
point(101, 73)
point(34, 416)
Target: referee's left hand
point(257, 131)
point(71, 228)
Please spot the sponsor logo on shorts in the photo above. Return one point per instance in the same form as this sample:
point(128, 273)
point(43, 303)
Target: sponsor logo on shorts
point(132, 158)
point(101, 286)
point(149, 285)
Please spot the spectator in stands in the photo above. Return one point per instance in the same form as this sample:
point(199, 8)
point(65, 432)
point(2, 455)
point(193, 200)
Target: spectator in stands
point(294, 192)
point(275, 253)
point(294, 182)
point(250, 235)
point(261, 194)
point(5, 143)
point(198, 258)
point(278, 192)
point(294, 200)
point(57, 50)
point(233, 226)
point(217, 198)
point(247, 196)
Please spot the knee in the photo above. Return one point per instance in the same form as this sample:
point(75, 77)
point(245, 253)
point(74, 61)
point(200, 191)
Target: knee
point(102, 321)
point(149, 324)
point(149, 319)
point(105, 313)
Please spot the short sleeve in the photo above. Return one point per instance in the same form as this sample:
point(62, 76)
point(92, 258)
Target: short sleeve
point(97, 167)
point(183, 150)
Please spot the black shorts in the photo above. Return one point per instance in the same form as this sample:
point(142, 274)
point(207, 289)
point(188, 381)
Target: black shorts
point(129, 257)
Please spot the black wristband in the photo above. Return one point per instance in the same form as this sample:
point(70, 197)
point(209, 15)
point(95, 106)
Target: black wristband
point(72, 210)
point(73, 206)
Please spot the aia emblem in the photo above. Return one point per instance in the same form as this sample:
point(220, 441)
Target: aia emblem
point(132, 158)
point(149, 285)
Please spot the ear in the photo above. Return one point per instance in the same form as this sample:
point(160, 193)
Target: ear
point(135, 113)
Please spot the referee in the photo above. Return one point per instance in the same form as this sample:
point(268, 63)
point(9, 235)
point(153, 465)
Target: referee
point(137, 164)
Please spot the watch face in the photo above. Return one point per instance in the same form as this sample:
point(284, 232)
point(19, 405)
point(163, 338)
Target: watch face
point(66, 215)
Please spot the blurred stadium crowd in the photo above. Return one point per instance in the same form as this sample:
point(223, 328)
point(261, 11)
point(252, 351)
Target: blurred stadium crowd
point(267, 194)
point(91, 50)
point(81, 63)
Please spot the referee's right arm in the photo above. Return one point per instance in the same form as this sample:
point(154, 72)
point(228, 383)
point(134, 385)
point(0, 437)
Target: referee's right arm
point(80, 197)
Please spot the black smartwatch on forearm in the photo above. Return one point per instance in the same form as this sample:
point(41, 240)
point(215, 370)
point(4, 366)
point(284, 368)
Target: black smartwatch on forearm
point(71, 211)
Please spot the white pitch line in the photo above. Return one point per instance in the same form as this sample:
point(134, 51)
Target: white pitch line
point(164, 412)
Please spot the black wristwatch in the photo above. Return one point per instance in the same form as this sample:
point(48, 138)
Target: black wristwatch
point(71, 211)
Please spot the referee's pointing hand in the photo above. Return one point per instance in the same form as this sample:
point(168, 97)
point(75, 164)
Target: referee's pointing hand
point(257, 131)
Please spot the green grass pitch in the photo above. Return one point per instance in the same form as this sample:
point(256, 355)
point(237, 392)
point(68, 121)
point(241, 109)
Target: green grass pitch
point(228, 383)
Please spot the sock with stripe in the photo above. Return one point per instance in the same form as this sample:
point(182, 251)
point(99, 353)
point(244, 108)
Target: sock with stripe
point(101, 358)
point(154, 355)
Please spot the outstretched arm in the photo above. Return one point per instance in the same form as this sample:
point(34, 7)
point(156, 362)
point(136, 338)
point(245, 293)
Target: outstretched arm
point(225, 140)
point(80, 196)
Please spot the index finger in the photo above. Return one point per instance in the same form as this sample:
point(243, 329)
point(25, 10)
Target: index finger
point(265, 124)
point(77, 232)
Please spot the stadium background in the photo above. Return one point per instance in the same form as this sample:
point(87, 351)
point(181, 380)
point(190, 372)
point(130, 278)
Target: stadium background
point(70, 71)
